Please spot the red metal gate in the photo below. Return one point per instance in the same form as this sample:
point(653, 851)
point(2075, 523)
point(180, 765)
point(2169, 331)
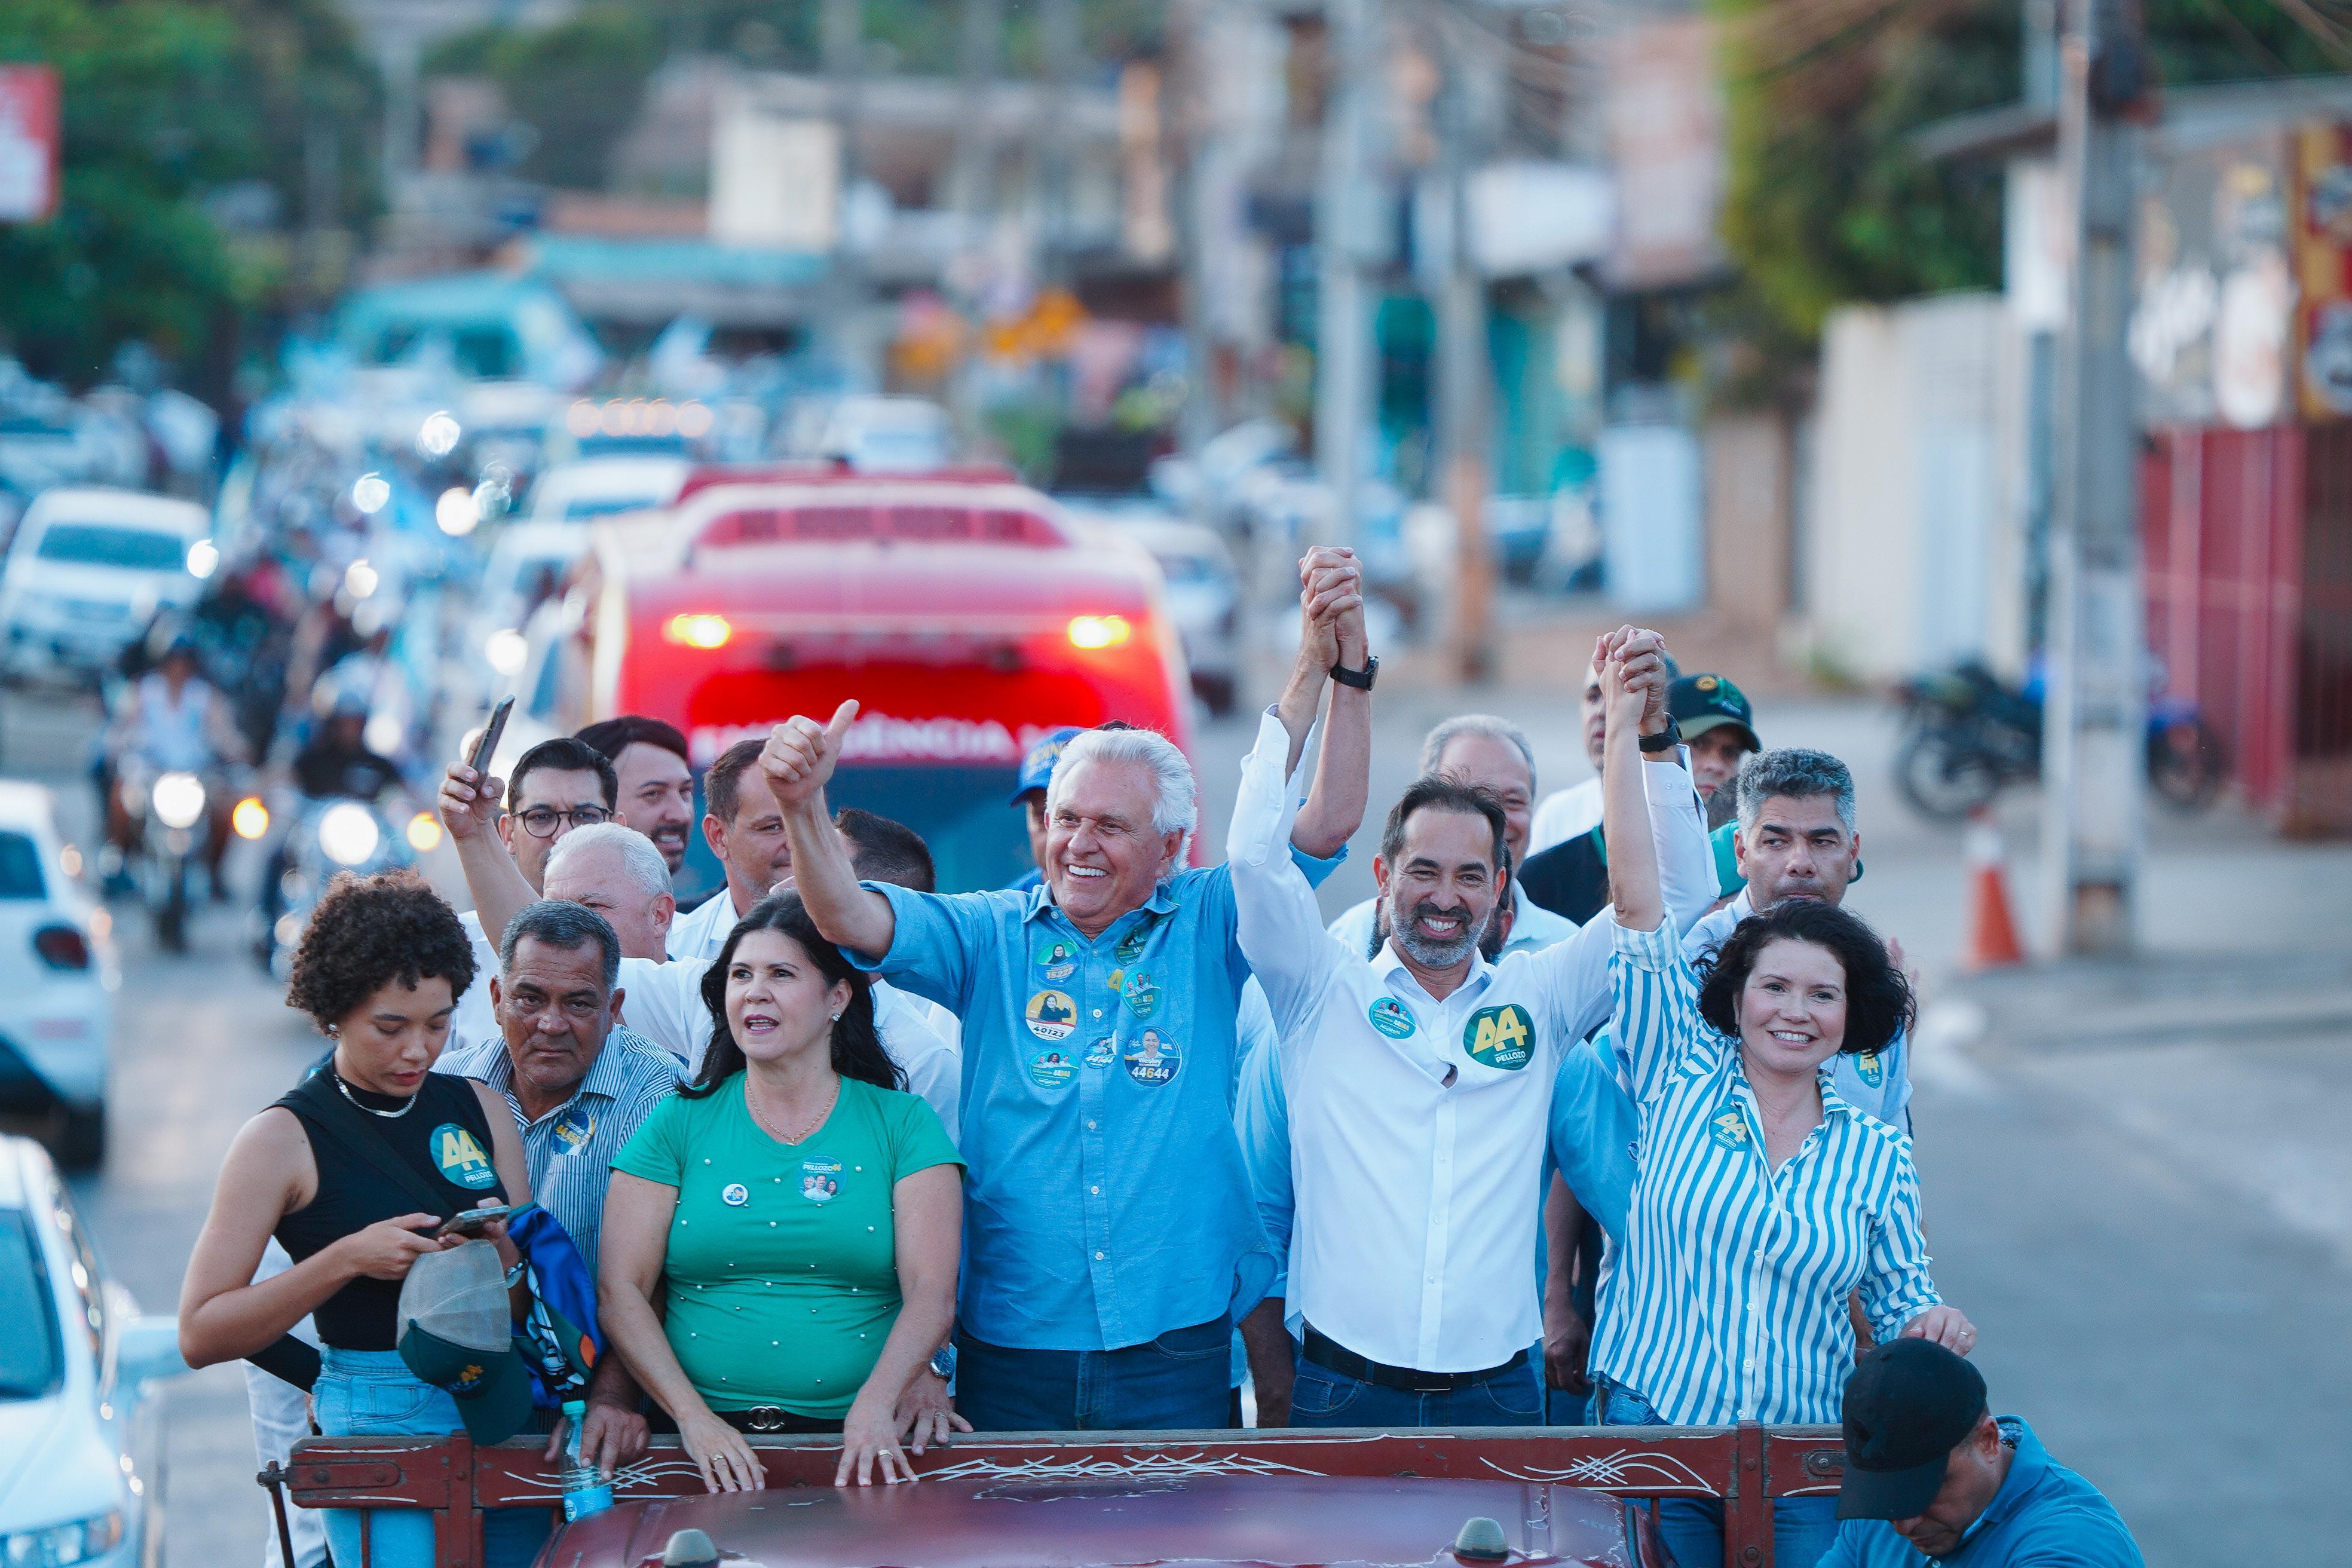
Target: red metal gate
point(2247, 539)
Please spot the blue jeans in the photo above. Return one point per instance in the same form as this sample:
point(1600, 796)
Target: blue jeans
point(372, 1393)
point(1691, 1528)
point(1176, 1383)
point(1562, 1408)
point(1322, 1397)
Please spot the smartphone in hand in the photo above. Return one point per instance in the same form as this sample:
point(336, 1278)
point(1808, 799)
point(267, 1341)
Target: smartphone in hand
point(471, 1222)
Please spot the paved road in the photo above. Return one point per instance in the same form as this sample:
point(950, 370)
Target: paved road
point(2154, 1228)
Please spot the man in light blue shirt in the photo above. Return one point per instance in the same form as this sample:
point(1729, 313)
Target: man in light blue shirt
point(1109, 1237)
point(1933, 1477)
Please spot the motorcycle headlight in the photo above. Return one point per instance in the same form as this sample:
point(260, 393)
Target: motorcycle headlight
point(251, 819)
point(179, 800)
point(424, 832)
point(61, 1545)
point(348, 834)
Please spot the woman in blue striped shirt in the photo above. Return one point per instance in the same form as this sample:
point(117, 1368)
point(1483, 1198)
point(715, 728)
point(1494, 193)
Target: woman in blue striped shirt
point(1763, 1201)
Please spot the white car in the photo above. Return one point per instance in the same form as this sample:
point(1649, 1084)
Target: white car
point(80, 1440)
point(591, 488)
point(1205, 587)
point(87, 571)
point(57, 970)
point(889, 435)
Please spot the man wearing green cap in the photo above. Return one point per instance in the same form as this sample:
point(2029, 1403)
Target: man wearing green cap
point(1933, 1475)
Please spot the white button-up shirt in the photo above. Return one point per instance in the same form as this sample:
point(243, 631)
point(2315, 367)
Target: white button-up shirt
point(702, 930)
point(1417, 1124)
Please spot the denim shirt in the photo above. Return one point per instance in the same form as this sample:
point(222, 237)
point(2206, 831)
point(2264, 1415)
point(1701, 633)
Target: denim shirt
point(2044, 1516)
point(1106, 1201)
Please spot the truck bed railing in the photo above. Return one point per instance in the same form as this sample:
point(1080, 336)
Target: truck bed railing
point(1743, 1467)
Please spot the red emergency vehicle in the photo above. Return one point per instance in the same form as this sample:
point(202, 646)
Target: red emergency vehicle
point(966, 616)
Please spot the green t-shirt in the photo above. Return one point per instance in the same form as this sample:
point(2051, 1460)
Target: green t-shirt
point(780, 1282)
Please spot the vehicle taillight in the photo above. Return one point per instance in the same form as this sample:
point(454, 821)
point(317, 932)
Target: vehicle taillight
point(1100, 631)
point(698, 631)
point(62, 947)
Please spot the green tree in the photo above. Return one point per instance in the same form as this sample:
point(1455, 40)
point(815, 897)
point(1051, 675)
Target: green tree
point(1826, 201)
point(163, 103)
point(577, 84)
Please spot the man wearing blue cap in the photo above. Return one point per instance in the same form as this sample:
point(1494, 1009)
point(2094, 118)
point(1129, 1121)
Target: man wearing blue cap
point(1029, 793)
point(1933, 1475)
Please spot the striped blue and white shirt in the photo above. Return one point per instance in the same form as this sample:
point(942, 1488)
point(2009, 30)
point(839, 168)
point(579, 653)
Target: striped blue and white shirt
point(570, 1150)
point(1727, 1301)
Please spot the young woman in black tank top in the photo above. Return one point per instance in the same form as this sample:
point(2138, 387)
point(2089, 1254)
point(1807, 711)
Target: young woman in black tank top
point(379, 969)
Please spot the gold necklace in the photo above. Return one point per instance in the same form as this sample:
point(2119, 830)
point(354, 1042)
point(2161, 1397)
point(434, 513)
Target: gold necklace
point(770, 1128)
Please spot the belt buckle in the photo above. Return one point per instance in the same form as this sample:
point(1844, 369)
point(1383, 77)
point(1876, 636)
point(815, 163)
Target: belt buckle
point(1434, 1382)
point(765, 1417)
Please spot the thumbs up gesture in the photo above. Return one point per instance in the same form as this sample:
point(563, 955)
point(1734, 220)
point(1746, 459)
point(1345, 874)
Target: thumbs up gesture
point(800, 755)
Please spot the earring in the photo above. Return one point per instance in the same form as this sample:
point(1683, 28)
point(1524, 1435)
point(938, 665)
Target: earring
point(837, 1017)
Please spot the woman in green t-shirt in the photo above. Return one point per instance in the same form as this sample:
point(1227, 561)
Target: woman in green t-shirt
point(800, 1215)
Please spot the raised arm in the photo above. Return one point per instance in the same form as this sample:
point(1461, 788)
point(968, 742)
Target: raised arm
point(1634, 889)
point(470, 809)
point(1331, 596)
point(798, 760)
point(1278, 922)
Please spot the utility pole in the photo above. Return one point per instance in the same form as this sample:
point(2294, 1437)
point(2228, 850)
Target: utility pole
point(1062, 52)
point(1188, 122)
point(975, 145)
point(1464, 391)
point(841, 46)
point(2093, 743)
point(1345, 213)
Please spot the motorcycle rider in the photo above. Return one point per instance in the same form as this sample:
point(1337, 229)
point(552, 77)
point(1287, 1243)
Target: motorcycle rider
point(173, 722)
point(336, 762)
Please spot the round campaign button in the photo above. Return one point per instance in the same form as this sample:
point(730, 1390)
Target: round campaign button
point(1390, 1017)
point(820, 1180)
point(1501, 1036)
point(1052, 1069)
point(461, 1157)
point(734, 1194)
point(1052, 1015)
point(1102, 1053)
point(1059, 959)
point(1152, 1058)
point(1142, 995)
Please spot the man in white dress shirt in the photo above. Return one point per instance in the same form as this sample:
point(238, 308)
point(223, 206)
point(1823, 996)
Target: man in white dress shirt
point(1419, 1081)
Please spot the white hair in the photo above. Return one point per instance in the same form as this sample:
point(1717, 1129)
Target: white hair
point(1175, 804)
point(1433, 746)
point(640, 861)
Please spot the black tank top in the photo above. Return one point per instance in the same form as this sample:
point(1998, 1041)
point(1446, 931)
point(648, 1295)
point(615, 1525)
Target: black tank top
point(444, 1137)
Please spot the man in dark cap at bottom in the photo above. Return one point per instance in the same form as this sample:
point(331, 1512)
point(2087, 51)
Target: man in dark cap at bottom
point(1933, 1475)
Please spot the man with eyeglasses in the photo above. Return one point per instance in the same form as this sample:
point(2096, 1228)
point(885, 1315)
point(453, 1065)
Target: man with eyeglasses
point(557, 785)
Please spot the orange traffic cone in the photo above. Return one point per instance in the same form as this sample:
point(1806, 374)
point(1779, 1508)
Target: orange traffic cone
point(1992, 931)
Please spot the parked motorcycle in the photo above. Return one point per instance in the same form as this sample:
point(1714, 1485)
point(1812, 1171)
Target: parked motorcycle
point(1969, 734)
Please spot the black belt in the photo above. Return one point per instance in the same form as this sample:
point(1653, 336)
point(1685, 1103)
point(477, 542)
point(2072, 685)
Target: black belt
point(772, 1418)
point(1328, 1354)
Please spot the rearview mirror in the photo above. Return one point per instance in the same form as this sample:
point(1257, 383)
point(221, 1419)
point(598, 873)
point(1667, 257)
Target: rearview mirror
point(148, 1348)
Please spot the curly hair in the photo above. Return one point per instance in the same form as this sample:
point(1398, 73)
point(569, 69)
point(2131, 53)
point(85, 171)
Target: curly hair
point(856, 1042)
point(368, 931)
point(1878, 1002)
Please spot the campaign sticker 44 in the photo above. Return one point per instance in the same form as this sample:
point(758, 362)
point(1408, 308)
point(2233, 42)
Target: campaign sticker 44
point(1052, 1069)
point(1143, 996)
point(1052, 1015)
point(820, 1180)
point(1390, 1017)
point(1130, 946)
point(1059, 959)
point(461, 1158)
point(1729, 1127)
point(1500, 1037)
point(1152, 1058)
point(1102, 1053)
point(575, 1128)
point(1869, 1068)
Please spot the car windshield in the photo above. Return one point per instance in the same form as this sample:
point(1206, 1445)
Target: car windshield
point(109, 544)
point(32, 1355)
point(20, 868)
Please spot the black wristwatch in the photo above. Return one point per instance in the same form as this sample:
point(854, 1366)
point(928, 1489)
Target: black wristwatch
point(1666, 740)
point(1362, 680)
point(943, 1362)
